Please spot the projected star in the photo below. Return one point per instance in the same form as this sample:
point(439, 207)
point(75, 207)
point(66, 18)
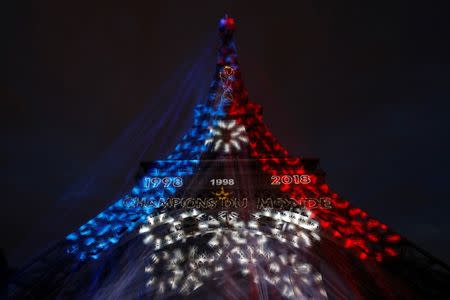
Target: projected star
point(227, 136)
point(222, 195)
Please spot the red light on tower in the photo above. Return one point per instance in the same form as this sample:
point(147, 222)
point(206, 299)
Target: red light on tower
point(227, 22)
point(226, 28)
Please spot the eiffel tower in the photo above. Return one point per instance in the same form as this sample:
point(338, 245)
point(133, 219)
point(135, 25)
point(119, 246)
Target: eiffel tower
point(229, 214)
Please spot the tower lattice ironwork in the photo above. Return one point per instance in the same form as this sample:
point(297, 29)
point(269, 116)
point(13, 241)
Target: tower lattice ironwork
point(231, 214)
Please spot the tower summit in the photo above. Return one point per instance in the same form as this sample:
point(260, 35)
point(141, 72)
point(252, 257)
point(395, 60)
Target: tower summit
point(231, 214)
point(227, 25)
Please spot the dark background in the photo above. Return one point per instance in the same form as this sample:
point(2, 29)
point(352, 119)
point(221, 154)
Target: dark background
point(364, 85)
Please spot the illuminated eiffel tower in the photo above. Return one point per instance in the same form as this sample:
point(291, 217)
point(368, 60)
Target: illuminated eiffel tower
point(230, 214)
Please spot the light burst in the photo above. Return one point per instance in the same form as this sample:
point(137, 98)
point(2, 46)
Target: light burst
point(227, 136)
point(250, 246)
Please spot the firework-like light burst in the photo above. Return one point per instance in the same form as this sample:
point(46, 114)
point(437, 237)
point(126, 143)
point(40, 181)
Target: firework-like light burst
point(227, 136)
point(178, 265)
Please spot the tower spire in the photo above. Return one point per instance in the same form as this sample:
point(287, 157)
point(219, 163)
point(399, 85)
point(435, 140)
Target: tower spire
point(227, 25)
point(227, 89)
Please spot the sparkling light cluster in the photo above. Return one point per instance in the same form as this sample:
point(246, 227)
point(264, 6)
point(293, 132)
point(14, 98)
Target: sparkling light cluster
point(249, 247)
point(106, 229)
point(289, 227)
point(227, 135)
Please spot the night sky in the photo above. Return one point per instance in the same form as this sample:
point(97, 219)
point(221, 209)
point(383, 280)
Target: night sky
point(364, 87)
